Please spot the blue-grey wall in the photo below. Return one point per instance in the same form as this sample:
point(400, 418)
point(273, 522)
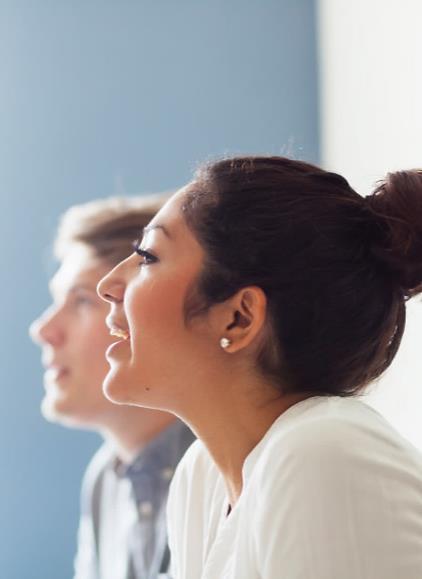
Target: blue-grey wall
point(99, 97)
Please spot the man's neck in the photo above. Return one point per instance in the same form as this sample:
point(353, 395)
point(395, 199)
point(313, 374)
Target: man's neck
point(131, 429)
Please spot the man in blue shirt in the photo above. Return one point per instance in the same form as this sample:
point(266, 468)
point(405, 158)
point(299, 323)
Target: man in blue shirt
point(122, 530)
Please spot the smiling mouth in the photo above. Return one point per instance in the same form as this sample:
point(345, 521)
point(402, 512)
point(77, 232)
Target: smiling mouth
point(119, 333)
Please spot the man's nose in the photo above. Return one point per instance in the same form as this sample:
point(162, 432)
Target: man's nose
point(46, 329)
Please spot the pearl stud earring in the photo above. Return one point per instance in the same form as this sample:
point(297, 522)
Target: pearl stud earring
point(225, 343)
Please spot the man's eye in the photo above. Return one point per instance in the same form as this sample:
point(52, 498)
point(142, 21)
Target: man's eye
point(147, 257)
point(83, 301)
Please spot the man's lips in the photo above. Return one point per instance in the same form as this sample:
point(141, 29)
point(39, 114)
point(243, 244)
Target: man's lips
point(54, 372)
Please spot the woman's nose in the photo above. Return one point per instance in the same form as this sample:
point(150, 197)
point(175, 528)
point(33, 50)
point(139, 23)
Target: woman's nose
point(46, 329)
point(111, 287)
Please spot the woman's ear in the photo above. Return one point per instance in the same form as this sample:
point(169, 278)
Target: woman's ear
point(241, 318)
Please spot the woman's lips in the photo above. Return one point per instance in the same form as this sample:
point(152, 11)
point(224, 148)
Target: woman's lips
point(119, 333)
point(115, 346)
point(117, 330)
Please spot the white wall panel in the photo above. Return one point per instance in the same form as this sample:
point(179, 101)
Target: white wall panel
point(371, 123)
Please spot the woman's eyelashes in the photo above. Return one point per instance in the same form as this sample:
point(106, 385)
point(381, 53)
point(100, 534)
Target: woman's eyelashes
point(148, 258)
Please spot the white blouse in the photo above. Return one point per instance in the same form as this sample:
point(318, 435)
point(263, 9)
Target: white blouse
point(331, 492)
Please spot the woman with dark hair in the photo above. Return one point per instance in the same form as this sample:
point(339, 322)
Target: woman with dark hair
point(261, 300)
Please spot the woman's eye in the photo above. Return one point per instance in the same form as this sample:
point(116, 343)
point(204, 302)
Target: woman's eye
point(147, 257)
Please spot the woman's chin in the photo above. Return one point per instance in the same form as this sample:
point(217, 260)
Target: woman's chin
point(115, 389)
point(120, 391)
point(122, 387)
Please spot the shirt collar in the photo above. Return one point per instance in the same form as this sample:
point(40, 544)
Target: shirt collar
point(159, 458)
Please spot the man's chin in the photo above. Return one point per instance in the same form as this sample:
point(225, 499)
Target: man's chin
point(60, 412)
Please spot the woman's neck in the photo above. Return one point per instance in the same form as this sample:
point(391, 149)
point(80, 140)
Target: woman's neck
point(231, 427)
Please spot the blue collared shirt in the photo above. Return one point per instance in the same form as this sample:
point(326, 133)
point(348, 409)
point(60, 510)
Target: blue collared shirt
point(122, 531)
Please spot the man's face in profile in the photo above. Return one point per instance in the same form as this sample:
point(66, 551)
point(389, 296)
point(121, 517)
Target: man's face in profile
point(73, 337)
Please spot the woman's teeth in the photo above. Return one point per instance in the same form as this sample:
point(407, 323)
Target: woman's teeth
point(122, 334)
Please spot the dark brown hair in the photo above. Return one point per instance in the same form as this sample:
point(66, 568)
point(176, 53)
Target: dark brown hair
point(336, 267)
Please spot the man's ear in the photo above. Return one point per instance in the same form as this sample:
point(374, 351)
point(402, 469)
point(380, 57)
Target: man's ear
point(241, 318)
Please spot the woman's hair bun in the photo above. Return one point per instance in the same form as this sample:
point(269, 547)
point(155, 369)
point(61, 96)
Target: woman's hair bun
point(397, 205)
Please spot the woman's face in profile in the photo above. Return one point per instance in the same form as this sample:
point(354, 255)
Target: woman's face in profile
point(159, 358)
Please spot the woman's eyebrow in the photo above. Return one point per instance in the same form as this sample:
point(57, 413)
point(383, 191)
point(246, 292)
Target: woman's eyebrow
point(149, 228)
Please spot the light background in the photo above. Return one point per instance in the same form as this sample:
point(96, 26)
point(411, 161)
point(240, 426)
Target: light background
point(371, 123)
point(108, 97)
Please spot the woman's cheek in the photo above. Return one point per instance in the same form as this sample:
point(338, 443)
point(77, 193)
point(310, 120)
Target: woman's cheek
point(154, 301)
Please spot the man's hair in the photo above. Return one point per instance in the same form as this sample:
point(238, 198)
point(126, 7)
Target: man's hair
point(107, 226)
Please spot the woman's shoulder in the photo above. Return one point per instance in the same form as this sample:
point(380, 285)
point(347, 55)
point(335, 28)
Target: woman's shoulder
point(333, 421)
point(197, 459)
point(330, 471)
point(332, 433)
point(196, 492)
point(195, 471)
